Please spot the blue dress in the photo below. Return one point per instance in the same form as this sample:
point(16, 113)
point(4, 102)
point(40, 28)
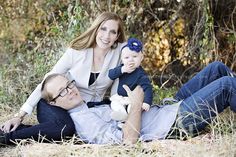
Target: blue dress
point(137, 77)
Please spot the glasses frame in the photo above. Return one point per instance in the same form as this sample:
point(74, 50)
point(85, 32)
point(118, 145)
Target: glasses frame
point(64, 91)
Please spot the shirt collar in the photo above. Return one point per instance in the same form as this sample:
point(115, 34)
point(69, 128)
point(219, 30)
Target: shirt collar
point(80, 107)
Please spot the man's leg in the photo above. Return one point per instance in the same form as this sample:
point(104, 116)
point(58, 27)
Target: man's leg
point(210, 73)
point(198, 110)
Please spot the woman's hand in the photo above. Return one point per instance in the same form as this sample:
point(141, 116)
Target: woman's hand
point(11, 124)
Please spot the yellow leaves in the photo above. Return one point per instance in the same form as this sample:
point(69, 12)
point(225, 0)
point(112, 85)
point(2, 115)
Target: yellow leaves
point(156, 48)
point(161, 41)
point(179, 27)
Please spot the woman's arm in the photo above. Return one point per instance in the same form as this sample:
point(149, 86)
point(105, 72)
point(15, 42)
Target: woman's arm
point(13, 123)
point(131, 129)
point(61, 67)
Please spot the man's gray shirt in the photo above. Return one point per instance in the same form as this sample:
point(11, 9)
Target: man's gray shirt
point(94, 125)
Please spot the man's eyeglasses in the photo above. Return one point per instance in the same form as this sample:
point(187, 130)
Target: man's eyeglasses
point(64, 91)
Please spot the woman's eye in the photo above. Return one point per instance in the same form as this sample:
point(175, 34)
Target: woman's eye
point(113, 32)
point(103, 29)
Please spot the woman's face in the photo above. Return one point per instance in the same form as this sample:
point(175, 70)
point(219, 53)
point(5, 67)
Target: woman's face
point(107, 34)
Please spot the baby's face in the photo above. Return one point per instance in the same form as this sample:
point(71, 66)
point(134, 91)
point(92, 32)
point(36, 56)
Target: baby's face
point(131, 58)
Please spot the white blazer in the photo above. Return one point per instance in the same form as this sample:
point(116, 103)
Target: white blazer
point(77, 65)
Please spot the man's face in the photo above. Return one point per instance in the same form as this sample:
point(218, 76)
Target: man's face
point(131, 58)
point(66, 93)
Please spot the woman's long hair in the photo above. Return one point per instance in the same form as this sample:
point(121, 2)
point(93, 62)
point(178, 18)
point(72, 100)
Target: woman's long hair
point(87, 39)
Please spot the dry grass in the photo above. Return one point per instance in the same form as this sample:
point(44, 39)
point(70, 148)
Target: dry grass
point(200, 146)
point(212, 144)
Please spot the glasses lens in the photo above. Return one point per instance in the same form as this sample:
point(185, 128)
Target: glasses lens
point(63, 92)
point(71, 84)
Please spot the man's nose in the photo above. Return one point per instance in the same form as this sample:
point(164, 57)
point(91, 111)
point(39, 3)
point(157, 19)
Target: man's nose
point(70, 90)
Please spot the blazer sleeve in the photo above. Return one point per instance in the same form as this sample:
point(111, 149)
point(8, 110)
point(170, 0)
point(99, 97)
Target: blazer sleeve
point(62, 66)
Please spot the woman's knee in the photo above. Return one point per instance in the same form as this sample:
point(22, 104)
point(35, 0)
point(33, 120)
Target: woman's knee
point(42, 106)
point(67, 127)
point(47, 112)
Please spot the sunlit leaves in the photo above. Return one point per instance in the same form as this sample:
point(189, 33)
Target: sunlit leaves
point(164, 43)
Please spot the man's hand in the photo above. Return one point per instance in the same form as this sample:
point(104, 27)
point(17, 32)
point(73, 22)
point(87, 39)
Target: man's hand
point(131, 128)
point(128, 68)
point(10, 125)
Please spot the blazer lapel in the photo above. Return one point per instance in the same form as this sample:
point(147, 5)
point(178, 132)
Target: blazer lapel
point(106, 63)
point(85, 68)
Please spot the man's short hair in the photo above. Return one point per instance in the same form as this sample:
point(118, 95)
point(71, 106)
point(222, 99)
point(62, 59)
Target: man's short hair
point(45, 94)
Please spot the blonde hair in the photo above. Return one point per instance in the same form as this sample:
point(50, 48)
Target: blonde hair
point(87, 39)
point(45, 94)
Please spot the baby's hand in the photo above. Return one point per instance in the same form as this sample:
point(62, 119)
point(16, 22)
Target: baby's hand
point(146, 107)
point(128, 68)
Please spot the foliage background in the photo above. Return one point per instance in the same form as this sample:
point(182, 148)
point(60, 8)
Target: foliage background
point(180, 36)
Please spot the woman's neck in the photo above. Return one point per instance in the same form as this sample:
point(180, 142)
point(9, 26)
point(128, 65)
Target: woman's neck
point(98, 58)
point(99, 52)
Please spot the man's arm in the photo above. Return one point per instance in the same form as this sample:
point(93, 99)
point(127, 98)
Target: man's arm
point(131, 128)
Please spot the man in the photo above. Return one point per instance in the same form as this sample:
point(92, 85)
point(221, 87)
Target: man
point(61, 92)
point(94, 125)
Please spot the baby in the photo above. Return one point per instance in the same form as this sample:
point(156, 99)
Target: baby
point(131, 73)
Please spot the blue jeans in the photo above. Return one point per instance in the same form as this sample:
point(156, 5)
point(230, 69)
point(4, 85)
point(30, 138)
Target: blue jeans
point(204, 96)
point(54, 124)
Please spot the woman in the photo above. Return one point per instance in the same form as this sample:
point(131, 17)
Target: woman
point(86, 61)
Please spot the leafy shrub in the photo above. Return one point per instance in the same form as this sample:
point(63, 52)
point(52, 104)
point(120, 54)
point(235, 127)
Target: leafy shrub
point(178, 35)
